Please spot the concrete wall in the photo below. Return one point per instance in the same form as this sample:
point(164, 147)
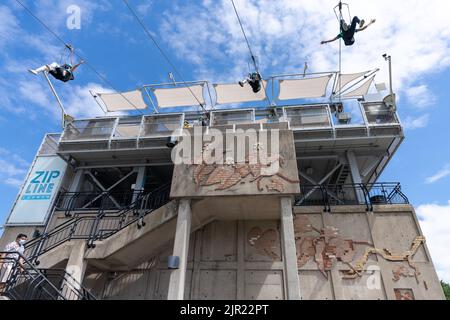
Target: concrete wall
point(243, 260)
point(391, 228)
point(222, 264)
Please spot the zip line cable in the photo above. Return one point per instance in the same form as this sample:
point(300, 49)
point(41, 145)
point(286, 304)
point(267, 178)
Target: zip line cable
point(251, 52)
point(99, 75)
point(245, 36)
point(162, 51)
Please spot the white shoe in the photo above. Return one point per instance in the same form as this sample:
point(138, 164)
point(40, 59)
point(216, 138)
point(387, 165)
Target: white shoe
point(241, 83)
point(33, 72)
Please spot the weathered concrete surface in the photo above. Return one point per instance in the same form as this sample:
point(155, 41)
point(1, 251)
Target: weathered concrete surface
point(225, 262)
point(241, 208)
point(56, 256)
point(181, 250)
point(390, 228)
point(76, 265)
point(132, 246)
point(289, 250)
point(239, 178)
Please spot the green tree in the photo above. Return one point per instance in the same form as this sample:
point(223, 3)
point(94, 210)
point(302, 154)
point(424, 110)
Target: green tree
point(446, 288)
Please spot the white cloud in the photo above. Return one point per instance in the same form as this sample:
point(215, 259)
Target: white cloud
point(435, 224)
point(411, 123)
point(441, 174)
point(285, 33)
point(421, 96)
point(80, 103)
point(59, 15)
point(13, 168)
point(8, 26)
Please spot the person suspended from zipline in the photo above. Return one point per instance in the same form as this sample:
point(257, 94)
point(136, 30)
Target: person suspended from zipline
point(254, 80)
point(348, 32)
point(63, 72)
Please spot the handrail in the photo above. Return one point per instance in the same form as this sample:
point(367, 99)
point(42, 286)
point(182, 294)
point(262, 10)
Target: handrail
point(26, 282)
point(92, 227)
point(351, 194)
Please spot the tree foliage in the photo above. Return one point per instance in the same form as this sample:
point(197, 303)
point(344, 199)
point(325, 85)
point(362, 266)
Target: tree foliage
point(446, 288)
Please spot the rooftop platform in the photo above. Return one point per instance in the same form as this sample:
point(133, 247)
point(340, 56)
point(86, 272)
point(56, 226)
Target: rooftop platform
point(321, 134)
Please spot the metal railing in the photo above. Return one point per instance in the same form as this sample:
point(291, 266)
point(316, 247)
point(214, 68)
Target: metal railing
point(69, 202)
point(21, 280)
point(351, 194)
point(100, 225)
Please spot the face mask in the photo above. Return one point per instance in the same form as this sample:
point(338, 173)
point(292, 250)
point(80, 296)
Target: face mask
point(22, 242)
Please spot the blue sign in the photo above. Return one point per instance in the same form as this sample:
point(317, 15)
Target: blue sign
point(39, 191)
point(41, 186)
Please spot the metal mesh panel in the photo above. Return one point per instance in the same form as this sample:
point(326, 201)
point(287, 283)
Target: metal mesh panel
point(313, 134)
point(50, 145)
point(385, 131)
point(351, 132)
point(157, 126)
point(308, 117)
point(232, 117)
point(94, 129)
point(378, 113)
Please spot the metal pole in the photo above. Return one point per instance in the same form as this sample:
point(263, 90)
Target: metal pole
point(57, 98)
point(390, 74)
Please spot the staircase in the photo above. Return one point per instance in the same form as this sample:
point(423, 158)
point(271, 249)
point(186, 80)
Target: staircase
point(27, 282)
point(343, 175)
point(99, 226)
point(23, 281)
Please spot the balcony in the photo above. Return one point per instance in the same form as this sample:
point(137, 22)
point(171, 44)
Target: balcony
point(367, 195)
point(309, 123)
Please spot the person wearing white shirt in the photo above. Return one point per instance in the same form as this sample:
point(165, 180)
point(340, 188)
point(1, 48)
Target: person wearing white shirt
point(7, 259)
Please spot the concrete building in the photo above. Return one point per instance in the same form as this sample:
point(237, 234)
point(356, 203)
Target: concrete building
point(110, 216)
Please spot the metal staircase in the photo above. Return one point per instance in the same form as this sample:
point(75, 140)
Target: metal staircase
point(99, 226)
point(24, 281)
point(27, 282)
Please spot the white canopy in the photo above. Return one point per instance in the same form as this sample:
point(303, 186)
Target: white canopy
point(344, 79)
point(124, 101)
point(234, 93)
point(179, 97)
point(304, 88)
point(360, 91)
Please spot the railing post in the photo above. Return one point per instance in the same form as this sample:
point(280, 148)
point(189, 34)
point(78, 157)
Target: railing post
point(368, 202)
point(325, 199)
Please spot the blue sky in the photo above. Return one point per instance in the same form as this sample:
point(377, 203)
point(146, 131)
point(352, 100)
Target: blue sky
point(204, 41)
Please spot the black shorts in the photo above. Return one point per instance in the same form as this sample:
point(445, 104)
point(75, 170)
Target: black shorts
point(62, 74)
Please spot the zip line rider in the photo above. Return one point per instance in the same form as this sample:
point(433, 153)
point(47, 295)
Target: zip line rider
point(254, 80)
point(63, 73)
point(348, 32)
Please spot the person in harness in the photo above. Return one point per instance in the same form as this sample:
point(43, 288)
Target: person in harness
point(63, 73)
point(348, 32)
point(254, 80)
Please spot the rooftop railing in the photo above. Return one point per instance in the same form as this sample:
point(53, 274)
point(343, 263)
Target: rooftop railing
point(351, 194)
point(375, 116)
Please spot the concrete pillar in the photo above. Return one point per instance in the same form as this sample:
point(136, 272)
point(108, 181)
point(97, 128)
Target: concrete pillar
point(76, 267)
point(289, 250)
point(139, 185)
point(181, 249)
point(356, 175)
